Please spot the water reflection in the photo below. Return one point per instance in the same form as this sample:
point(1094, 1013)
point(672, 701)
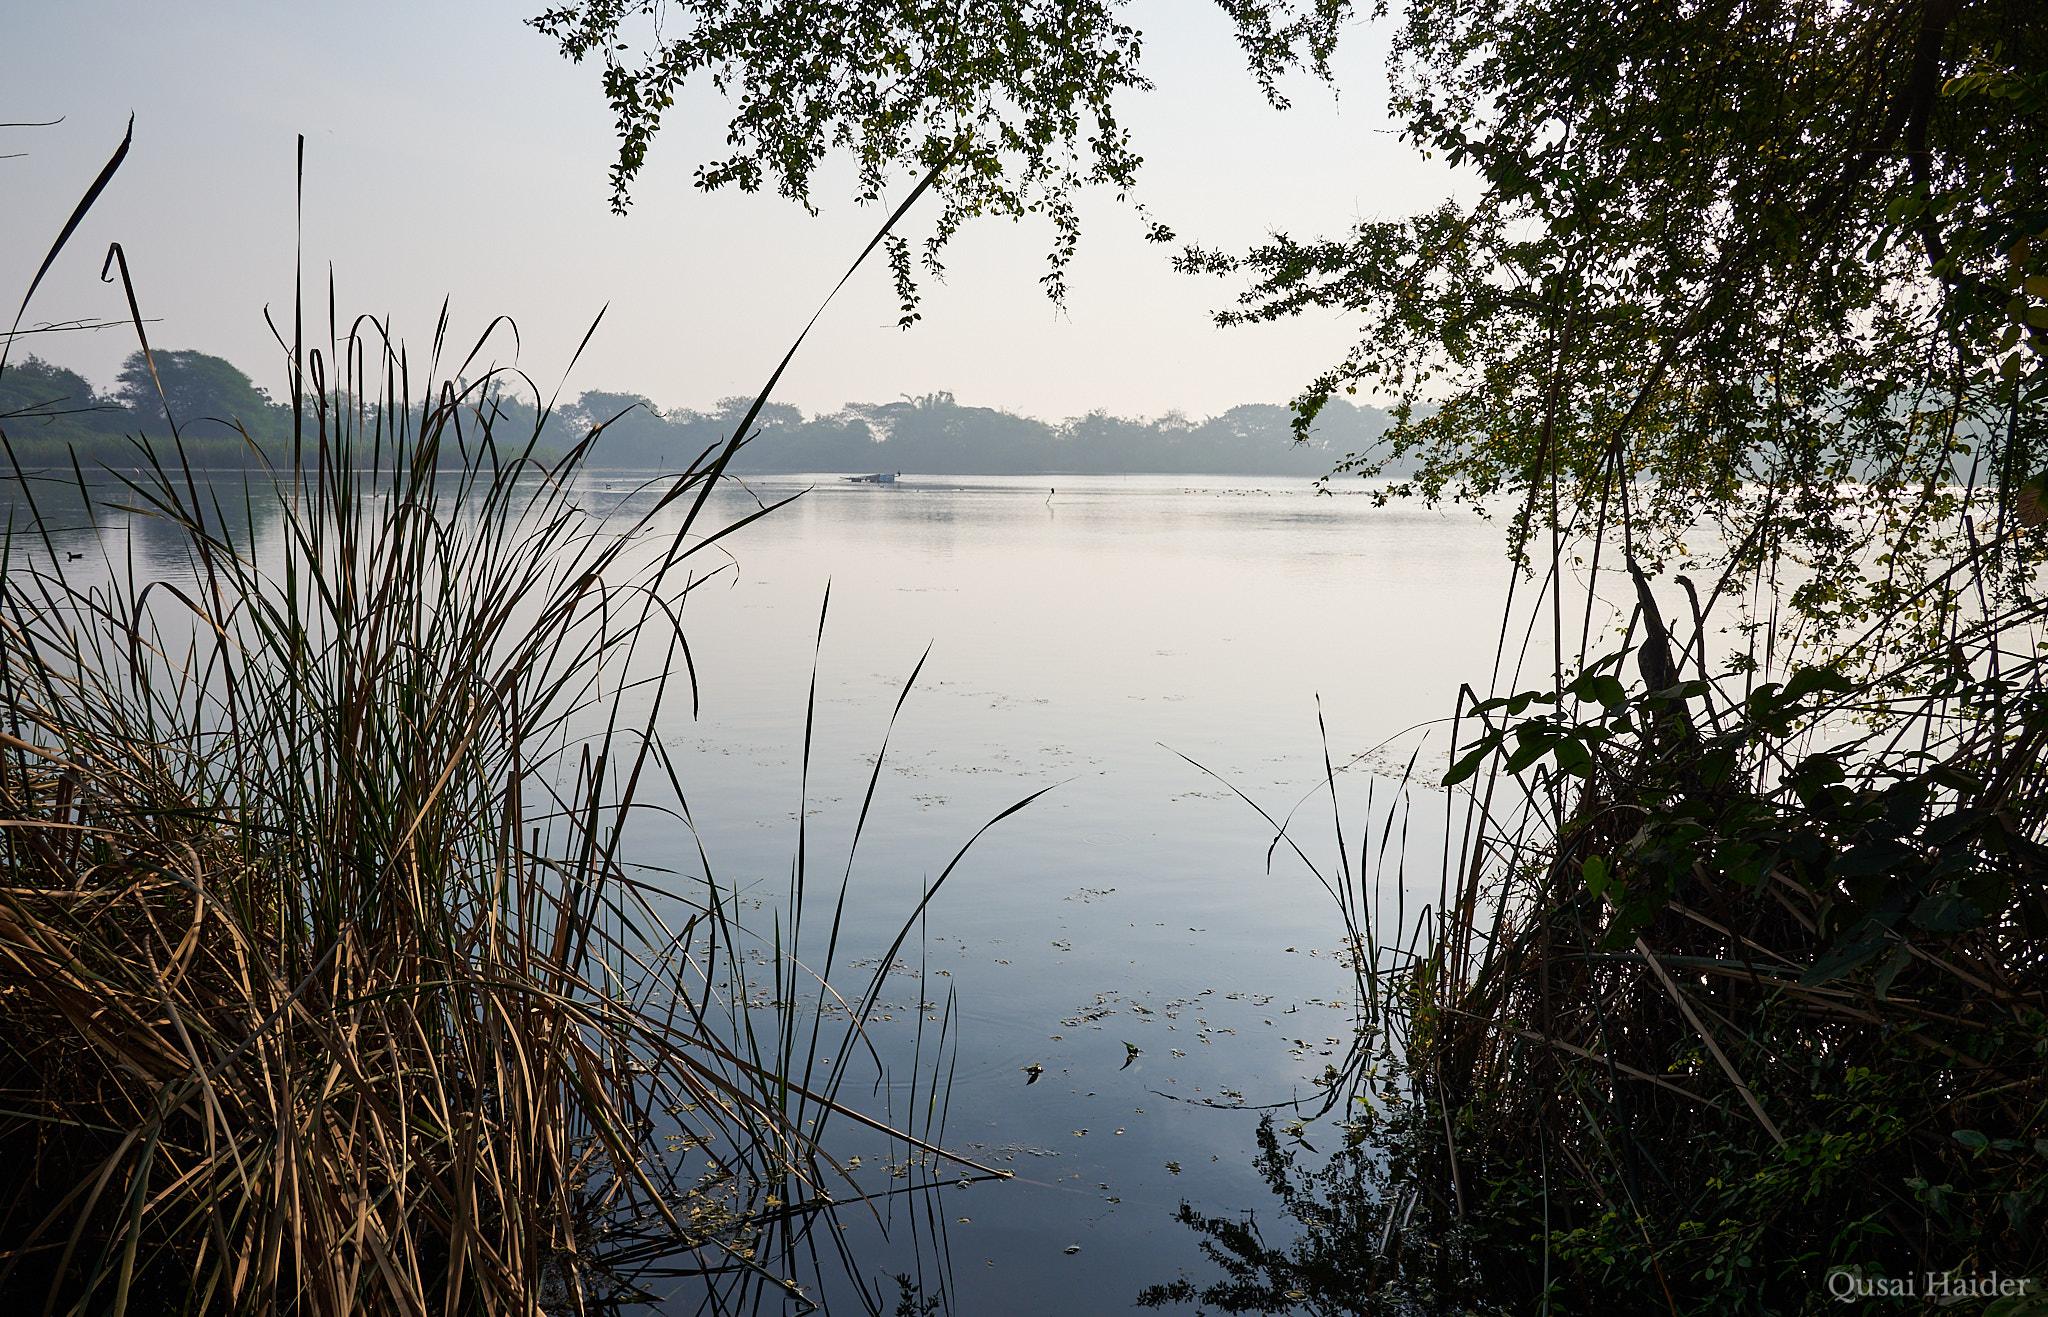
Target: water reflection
point(106, 524)
point(1127, 975)
point(1347, 1232)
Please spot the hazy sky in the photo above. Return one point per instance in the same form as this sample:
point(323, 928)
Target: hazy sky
point(452, 152)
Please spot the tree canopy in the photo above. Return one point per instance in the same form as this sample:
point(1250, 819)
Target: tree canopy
point(1010, 99)
point(49, 414)
point(40, 399)
point(207, 396)
point(1727, 259)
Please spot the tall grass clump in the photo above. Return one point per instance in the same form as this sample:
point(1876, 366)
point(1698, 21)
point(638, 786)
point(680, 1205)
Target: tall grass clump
point(323, 985)
point(1734, 997)
point(1743, 1008)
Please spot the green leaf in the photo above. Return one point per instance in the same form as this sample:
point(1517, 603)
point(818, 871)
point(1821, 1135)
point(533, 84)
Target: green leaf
point(1534, 746)
point(1594, 870)
point(1873, 857)
point(1573, 757)
point(1854, 949)
point(1901, 957)
point(1808, 680)
point(1946, 912)
point(1470, 764)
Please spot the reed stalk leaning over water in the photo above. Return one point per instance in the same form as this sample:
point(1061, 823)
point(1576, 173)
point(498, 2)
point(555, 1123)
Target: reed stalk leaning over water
point(1734, 998)
point(323, 986)
point(315, 941)
point(1747, 988)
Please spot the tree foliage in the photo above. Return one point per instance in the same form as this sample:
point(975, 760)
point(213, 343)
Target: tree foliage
point(1011, 100)
point(937, 435)
point(38, 398)
point(206, 395)
point(50, 415)
point(1727, 258)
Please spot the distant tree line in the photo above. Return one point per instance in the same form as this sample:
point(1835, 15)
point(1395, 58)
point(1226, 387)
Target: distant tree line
point(937, 435)
point(50, 414)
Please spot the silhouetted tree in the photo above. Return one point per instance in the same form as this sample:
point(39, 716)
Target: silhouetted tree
point(207, 397)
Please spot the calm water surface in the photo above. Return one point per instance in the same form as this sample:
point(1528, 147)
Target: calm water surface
point(1085, 635)
point(1092, 636)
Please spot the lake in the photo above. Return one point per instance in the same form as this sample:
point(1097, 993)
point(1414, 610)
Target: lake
point(1091, 636)
point(1127, 971)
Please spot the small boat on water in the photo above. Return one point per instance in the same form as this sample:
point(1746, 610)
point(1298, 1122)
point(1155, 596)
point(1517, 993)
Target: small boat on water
point(878, 478)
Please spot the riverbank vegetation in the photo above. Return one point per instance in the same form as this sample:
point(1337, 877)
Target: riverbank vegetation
point(1730, 1003)
point(325, 987)
point(325, 984)
point(1732, 999)
point(1733, 988)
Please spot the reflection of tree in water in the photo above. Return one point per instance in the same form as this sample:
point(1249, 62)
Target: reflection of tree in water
point(913, 1302)
point(1366, 1241)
